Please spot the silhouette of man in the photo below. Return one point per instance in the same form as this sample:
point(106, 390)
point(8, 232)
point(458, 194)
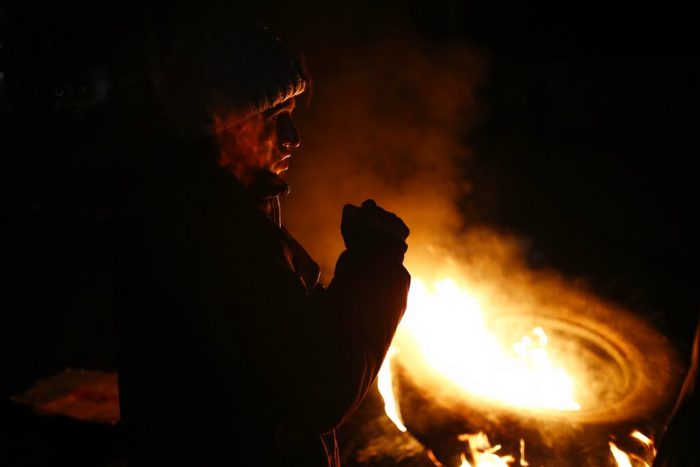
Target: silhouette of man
point(232, 352)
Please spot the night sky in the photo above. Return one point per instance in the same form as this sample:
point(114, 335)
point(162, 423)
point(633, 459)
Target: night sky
point(583, 144)
point(588, 146)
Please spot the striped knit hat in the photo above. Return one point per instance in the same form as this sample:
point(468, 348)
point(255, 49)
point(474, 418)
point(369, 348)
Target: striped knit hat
point(223, 68)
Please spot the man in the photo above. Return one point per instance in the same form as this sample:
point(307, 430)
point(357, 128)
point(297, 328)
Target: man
point(678, 443)
point(232, 351)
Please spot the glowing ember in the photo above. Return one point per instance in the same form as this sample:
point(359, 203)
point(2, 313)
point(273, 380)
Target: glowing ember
point(447, 324)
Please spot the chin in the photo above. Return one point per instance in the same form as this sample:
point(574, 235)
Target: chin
point(280, 167)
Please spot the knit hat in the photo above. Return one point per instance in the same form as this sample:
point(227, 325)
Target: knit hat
point(221, 68)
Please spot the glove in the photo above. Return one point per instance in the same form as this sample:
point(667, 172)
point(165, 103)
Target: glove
point(370, 228)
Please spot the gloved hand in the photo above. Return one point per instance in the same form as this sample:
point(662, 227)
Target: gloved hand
point(371, 228)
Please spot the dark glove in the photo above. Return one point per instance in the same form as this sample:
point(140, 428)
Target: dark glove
point(370, 228)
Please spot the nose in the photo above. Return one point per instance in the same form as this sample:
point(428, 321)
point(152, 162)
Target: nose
point(287, 134)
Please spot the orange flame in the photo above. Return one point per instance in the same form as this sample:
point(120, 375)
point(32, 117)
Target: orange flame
point(385, 385)
point(447, 324)
point(621, 458)
point(624, 459)
point(483, 454)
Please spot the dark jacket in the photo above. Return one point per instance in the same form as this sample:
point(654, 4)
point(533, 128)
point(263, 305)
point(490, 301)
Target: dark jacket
point(232, 353)
point(678, 444)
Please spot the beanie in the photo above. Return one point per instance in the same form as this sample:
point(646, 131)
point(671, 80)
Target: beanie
point(221, 69)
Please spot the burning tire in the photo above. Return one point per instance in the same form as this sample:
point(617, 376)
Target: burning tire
point(626, 375)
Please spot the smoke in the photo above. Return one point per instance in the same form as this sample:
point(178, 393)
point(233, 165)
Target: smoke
point(388, 121)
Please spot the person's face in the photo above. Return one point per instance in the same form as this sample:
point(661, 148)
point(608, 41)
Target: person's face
point(262, 142)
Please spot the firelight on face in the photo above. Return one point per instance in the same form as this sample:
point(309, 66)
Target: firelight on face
point(264, 141)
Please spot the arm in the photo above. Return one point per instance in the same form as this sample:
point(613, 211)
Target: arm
point(257, 340)
point(326, 348)
point(364, 305)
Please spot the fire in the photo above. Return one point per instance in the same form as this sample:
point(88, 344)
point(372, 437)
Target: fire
point(448, 326)
point(483, 454)
point(624, 459)
point(386, 389)
point(620, 456)
point(490, 345)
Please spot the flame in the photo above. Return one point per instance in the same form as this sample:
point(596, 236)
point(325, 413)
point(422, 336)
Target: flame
point(645, 440)
point(447, 324)
point(483, 454)
point(624, 459)
point(386, 389)
point(523, 462)
point(620, 456)
point(454, 339)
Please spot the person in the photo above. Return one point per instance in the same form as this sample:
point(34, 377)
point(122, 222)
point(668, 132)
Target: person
point(677, 445)
point(232, 352)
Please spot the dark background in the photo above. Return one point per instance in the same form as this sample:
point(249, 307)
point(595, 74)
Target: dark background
point(583, 141)
point(585, 144)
